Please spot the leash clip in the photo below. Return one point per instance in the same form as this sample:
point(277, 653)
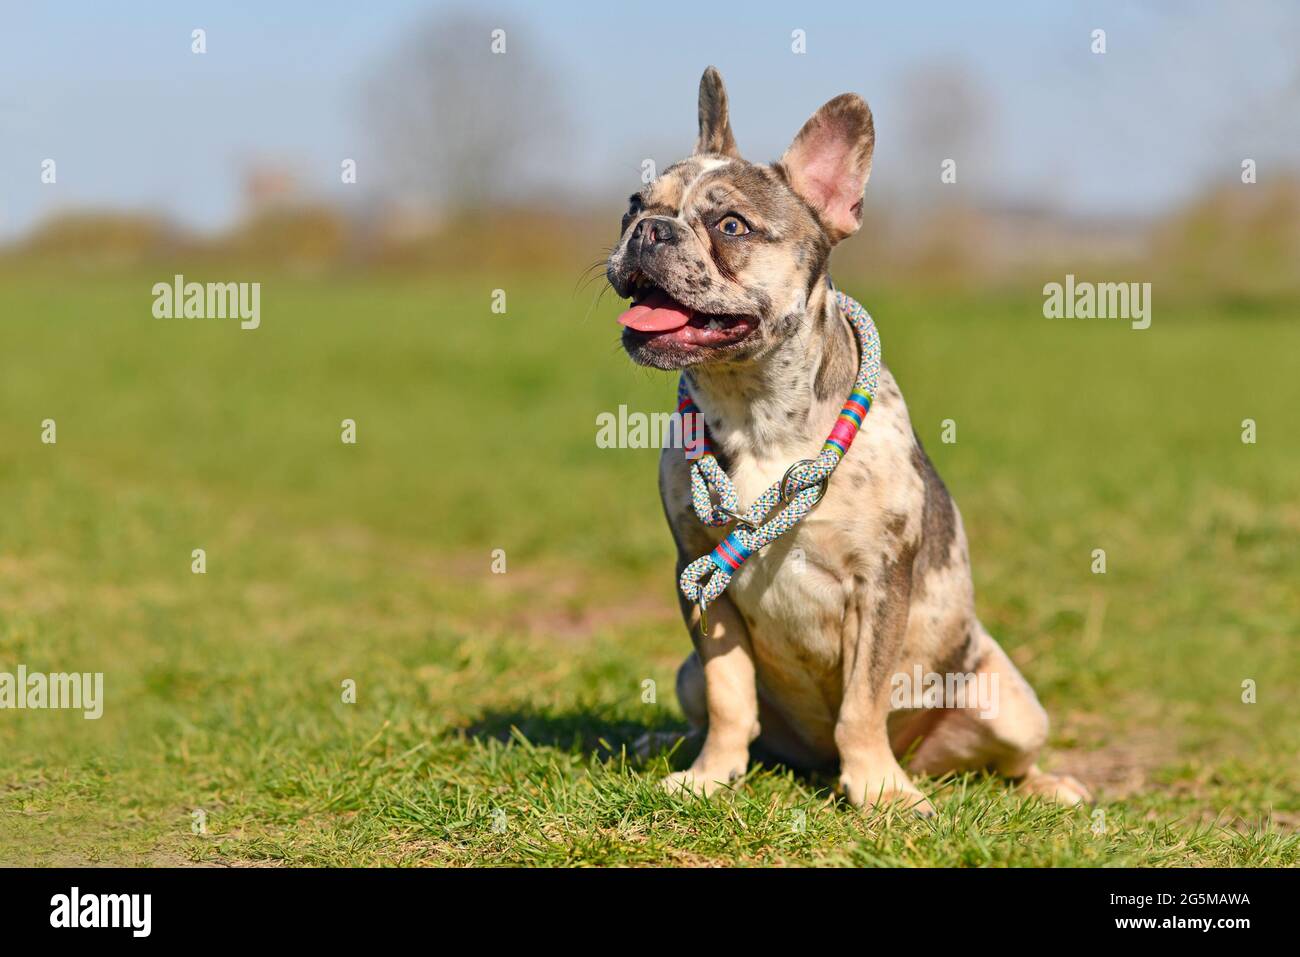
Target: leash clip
point(739, 519)
point(786, 495)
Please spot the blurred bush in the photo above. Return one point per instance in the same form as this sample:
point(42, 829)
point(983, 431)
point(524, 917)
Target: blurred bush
point(1235, 243)
point(1238, 244)
point(100, 239)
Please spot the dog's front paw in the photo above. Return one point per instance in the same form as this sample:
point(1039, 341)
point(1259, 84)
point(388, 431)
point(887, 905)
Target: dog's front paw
point(703, 781)
point(865, 792)
point(1060, 788)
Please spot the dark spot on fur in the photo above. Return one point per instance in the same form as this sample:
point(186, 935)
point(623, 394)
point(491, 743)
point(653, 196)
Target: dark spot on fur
point(893, 588)
point(838, 360)
point(954, 660)
point(720, 261)
point(938, 517)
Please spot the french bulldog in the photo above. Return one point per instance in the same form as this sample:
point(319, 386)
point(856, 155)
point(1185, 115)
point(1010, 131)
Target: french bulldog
point(727, 266)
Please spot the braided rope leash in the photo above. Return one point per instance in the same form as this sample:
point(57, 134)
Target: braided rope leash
point(801, 488)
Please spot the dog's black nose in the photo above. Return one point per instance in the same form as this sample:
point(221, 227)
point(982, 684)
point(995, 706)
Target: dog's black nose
point(655, 231)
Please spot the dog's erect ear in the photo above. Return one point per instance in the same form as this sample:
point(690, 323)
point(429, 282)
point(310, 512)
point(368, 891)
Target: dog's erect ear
point(715, 122)
point(829, 162)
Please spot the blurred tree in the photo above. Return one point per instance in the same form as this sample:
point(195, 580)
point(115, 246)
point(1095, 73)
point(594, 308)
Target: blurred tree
point(465, 113)
point(945, 115)
point(946, 139)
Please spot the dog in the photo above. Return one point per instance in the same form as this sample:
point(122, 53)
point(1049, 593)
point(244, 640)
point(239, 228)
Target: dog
point(727, 266)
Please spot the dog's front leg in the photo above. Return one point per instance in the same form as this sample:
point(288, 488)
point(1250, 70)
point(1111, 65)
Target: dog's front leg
point(872, 641)
point(731, 700)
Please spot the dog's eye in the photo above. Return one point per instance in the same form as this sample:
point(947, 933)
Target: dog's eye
point(633, 208)
point(732, 226)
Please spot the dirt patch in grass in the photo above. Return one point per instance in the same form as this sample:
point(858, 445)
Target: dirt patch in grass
point(552, 600)
point(1119, 769)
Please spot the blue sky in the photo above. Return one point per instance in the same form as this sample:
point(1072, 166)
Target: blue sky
point(135, 120)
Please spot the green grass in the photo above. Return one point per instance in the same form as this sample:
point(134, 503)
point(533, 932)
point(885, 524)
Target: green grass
point(495, 713)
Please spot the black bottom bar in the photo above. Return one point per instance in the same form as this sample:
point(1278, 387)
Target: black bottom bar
point(333, 907)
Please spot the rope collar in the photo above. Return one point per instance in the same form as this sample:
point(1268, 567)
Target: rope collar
point(800, 489)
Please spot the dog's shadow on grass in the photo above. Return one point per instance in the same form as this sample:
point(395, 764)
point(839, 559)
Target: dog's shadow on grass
point(604, 735)
point(600, 733)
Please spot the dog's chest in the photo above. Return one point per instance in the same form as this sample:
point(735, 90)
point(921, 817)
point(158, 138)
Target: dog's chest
point(793, 593)
point(805, 595)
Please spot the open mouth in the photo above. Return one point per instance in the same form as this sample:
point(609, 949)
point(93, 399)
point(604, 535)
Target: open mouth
point(657, 317)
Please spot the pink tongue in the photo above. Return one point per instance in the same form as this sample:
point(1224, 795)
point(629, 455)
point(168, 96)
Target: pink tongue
point(656, 313)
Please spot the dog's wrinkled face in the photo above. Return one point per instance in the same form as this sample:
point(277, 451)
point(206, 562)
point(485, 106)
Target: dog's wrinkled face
point(721, 257)
point(717, 255)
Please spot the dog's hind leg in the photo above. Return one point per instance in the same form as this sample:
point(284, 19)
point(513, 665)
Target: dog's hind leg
point(1003, 733)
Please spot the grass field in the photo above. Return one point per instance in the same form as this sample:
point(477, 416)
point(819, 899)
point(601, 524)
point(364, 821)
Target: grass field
point(494, 713)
